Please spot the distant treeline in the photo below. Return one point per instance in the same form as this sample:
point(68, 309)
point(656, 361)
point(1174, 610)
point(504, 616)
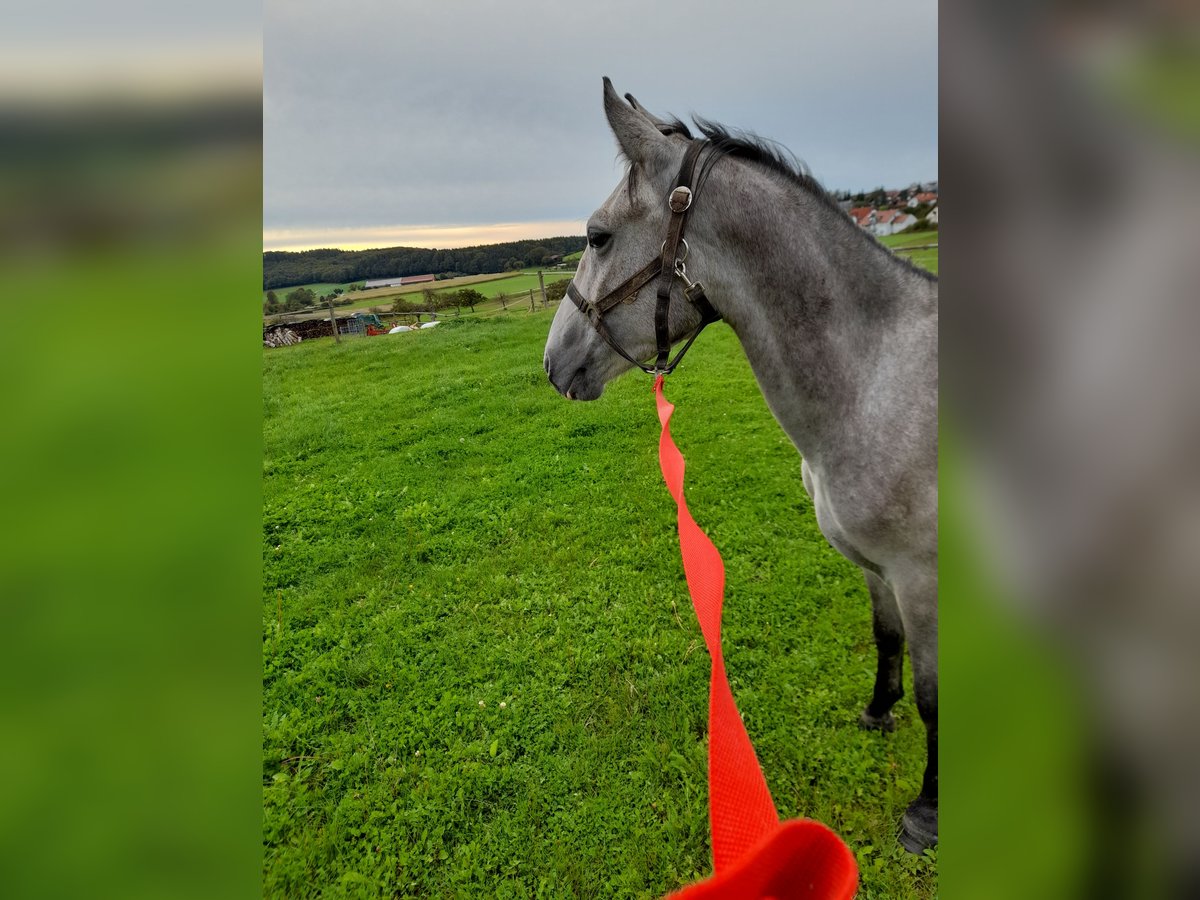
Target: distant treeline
point(283, 268)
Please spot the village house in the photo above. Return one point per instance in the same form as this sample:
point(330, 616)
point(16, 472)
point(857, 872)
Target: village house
point(882, 221)
point(397, 281)
point(863, 216)
point(892, 221)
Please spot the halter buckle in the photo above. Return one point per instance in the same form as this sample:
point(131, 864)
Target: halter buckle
point(680, 199)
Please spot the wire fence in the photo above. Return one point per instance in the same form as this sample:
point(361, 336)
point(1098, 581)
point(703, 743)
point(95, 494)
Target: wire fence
point(289, 328)
point(385, 306)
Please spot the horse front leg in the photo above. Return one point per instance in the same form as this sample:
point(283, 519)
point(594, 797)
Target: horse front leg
point(889, 646)
point(918, 609)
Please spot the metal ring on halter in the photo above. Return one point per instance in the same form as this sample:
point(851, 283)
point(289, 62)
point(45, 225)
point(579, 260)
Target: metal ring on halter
point(678, 259)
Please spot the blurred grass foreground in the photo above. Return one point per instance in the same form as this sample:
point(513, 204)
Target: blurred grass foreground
point(129, 232)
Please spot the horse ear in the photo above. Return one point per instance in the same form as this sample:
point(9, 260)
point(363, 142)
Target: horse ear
point(654, 120)
point(665, 128)
point(639, 138)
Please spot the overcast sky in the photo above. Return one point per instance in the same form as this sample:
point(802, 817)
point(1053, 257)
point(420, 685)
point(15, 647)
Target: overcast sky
point(432, 123)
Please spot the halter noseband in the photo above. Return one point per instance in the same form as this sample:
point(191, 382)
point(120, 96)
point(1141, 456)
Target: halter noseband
point(667, 267)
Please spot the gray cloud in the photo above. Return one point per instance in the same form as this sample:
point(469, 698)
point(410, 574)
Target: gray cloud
point(473, 112)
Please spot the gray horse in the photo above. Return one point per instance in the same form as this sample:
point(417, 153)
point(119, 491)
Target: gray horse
point(842, 338)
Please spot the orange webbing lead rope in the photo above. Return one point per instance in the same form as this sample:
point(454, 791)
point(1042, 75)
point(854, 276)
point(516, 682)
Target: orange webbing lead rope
point(754, 854)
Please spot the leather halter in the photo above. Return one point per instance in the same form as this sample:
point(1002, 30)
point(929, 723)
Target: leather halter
point(668, 267)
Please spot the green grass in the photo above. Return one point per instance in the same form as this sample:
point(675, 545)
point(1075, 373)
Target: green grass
point(520, 284)
point(516, 284)
point(927, 258)
point(443, 533)
point(909, 238)
point(318, 288)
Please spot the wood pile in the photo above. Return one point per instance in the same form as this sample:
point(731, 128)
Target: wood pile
point(315, 328)
point(280, 337)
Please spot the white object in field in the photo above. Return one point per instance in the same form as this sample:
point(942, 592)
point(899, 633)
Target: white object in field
point(430, 324)
point(399, 328)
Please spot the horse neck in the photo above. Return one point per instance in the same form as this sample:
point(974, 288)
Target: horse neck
point(820, 312)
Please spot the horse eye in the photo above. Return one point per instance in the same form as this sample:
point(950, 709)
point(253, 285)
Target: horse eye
point(598, 239)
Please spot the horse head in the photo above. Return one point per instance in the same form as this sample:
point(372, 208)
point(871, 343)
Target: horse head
point(624, 234)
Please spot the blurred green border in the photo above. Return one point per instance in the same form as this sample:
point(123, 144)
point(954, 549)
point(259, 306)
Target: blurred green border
point(1012, 816)
point(131, 567)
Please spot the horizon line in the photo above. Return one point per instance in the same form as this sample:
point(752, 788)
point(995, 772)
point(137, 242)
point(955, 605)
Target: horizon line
point(421, 237)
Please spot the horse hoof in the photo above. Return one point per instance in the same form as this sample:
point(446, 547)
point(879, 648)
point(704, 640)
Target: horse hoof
point(919, 827)
point(886, 722)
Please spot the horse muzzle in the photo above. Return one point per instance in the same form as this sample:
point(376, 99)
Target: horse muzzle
point(579, 383)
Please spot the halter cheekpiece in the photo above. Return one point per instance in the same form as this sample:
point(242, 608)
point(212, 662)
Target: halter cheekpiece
point(667, 267)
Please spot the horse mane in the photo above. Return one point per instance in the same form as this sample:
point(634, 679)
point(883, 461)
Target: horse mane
point(768, 153)
point(776, 158)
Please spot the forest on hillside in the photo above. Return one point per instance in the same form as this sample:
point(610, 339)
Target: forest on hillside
point(282, 268)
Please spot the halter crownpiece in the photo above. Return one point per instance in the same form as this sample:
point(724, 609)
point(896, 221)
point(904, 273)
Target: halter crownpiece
point(668, 267)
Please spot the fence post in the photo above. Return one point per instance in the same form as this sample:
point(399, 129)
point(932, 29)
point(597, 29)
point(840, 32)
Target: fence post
point(542, 285)
point(333, 322)
point(531, 300)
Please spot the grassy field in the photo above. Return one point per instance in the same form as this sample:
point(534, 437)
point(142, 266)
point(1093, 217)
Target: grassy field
point(516, 286)
point(482, 674)
point(388, 292)
point(909, 238)
point(927, 258)
point(521, 283)
point(318, 288)
point(489, 285)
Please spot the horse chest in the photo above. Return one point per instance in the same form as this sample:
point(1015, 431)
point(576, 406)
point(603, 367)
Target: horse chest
point(833, 525)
